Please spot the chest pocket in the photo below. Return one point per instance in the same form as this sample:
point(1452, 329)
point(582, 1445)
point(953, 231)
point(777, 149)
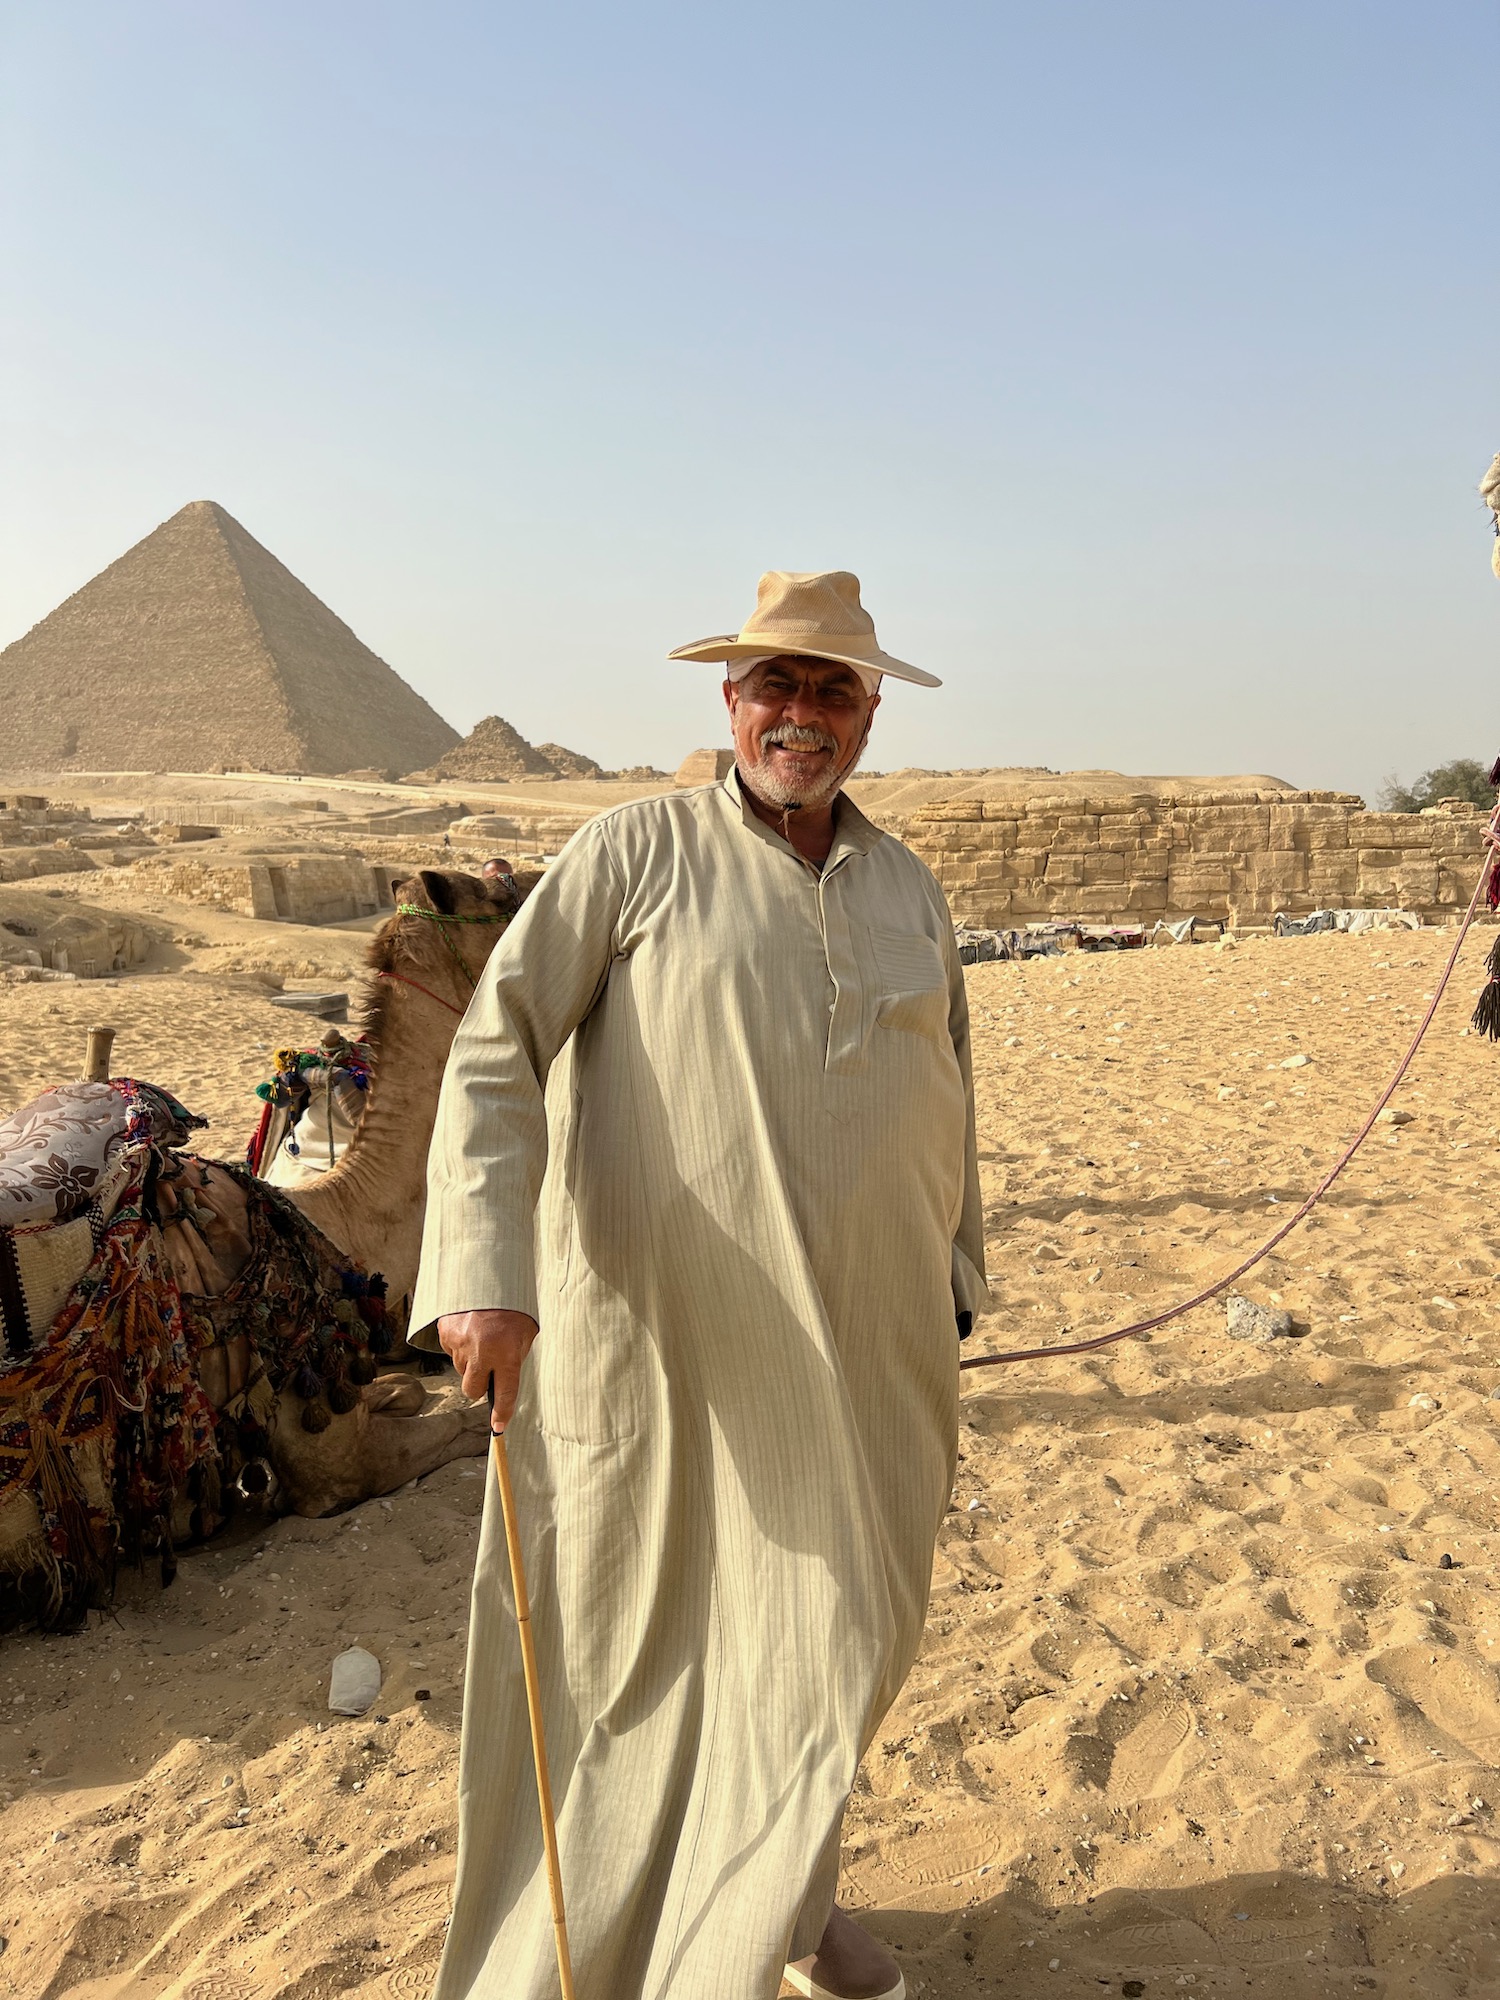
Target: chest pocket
point(913, 982)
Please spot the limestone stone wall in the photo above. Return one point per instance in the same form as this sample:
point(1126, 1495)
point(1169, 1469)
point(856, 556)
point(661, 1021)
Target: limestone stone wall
point(295, 889)
point(1238, 856)
point(38, 838)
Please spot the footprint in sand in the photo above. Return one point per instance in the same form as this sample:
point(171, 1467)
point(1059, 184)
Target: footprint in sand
point(1148, 1763)
point(1261, 1942)
point(410, 1982)
point(1173, 1942)
point(1455, 1697)
point(417, 1907)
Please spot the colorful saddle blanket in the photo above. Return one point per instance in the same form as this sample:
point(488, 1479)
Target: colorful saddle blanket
point(135, 1257)
point(67, 1160)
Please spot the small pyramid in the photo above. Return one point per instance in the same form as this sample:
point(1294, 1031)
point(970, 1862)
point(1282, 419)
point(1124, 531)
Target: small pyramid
point(198, 648)
point(491, 753)
point(568, 763)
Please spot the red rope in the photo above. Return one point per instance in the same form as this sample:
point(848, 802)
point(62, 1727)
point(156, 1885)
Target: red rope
point(402, 980)
point(257, 1146)
point(1223, 1284)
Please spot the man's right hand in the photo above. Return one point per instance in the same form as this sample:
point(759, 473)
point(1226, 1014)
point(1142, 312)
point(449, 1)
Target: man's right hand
point(485, 1344)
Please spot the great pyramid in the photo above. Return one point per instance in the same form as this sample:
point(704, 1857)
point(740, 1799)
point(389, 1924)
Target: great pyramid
point(198, 648)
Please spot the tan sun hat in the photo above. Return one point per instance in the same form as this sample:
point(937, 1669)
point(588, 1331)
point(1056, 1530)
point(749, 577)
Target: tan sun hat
point(816, 613)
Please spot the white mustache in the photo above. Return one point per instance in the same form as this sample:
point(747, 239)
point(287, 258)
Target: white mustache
point(798, 736)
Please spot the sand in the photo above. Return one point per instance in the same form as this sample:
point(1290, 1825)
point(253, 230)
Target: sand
point(1199, 1706)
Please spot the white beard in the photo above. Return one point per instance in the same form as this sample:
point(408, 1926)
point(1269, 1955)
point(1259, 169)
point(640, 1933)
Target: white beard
point(774, 790)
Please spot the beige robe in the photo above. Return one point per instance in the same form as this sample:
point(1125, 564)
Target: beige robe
point(736, 1432)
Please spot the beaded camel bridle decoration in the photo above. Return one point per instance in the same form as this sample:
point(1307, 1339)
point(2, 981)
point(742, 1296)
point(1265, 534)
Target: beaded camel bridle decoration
point(442, 919)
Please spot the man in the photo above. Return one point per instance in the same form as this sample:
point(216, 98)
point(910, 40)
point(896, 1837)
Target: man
point(735, 1433)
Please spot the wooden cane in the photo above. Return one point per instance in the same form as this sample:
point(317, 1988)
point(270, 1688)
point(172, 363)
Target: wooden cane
point(534, 1712)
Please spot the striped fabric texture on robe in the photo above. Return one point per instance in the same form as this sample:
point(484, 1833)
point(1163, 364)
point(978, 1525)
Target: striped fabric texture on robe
point(734, 1094)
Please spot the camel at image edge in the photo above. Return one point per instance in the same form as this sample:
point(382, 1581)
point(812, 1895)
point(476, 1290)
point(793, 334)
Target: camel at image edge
point(369, 1208)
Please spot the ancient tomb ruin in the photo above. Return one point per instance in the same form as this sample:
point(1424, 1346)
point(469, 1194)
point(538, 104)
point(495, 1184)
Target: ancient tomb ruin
point(1237, 856)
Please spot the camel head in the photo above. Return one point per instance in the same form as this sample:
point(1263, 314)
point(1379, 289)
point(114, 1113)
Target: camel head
point(445, 927)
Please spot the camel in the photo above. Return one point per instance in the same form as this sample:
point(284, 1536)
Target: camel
point(423, 970)
point(316, 1444)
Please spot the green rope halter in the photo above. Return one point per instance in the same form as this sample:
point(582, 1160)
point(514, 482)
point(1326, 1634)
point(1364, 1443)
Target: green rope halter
point(442, 919)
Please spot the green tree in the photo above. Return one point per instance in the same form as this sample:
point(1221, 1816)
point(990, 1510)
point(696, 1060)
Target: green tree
point(1462, 779)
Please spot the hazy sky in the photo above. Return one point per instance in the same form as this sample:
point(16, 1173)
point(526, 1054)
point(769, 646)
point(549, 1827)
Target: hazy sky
point(1141, 359)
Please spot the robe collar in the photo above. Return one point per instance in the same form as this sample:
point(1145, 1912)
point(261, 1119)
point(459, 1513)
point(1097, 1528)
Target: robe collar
point(852, 832)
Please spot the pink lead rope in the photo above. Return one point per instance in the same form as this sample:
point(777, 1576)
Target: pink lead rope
point(1212, 1291)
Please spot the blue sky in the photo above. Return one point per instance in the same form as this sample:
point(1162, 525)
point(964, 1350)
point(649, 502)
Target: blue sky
point(1139, 358)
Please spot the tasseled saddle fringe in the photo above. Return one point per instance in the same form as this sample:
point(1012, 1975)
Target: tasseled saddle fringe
point(1486, 1018)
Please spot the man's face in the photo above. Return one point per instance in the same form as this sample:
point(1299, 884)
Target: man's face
point(799, 726)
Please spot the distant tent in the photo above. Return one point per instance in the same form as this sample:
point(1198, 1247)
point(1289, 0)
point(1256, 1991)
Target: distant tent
point(198, 648)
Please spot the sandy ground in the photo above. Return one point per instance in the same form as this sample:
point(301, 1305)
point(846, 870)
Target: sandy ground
point(1200, 1706)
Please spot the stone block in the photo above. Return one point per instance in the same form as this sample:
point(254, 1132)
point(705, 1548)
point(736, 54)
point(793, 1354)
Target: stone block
point(1416, 885)
point(1382, 829)
point(1138, 808)
point(1197, 892)
point(1238, 821)
point(949, 809)
point(1327, 835)
point(1278, 872)
point(1100, 867)
point(1101, 904)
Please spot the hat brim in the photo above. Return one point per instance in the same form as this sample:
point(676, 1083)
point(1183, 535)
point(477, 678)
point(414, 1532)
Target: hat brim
point(730, 646)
